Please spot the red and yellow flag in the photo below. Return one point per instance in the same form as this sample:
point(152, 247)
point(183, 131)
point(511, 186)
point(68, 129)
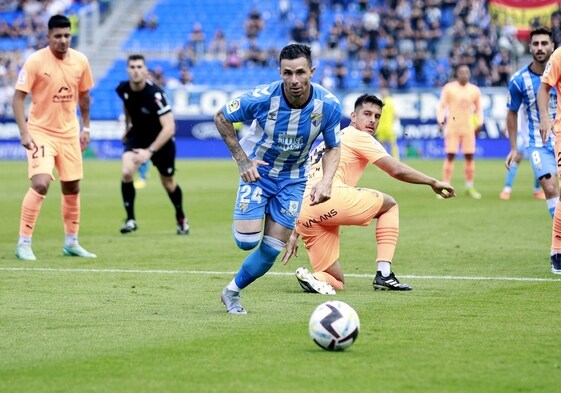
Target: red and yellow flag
point(522, 13)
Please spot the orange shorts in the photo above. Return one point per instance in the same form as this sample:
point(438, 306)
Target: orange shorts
point(63, 154)
point(453, 142)
point(319, 225)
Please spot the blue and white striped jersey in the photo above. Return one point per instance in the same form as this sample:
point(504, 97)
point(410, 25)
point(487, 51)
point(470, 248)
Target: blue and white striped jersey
point(523, 89)
point(282, 135)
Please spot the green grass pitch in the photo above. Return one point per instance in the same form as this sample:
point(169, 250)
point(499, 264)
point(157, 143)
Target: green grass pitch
point(145, 316)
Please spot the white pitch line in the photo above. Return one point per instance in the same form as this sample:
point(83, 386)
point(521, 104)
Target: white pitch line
point(202, 272)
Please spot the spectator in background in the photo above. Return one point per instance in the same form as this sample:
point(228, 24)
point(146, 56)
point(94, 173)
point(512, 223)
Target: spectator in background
point(388, 77)
point(234, 58)
point(403, 73)
point(74, 28)
point(327, 79)
point(284, 10)
point(299, 33)
point(254, 24)
point(186, 56)
point(556, 30)
point(197, 40)
point(185, 79)
point(340, 71)
point(157, 76)
point(367, 75)
point(482, 73)
point(508, 41)
point(501, 68)
point(254, 55)
point(148, 21)
point(218, 46)
point(371, 23)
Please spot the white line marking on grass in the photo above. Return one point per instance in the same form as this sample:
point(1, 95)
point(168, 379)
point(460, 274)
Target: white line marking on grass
point(203, 272)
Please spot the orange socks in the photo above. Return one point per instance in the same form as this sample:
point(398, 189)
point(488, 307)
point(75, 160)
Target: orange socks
point(323, 276)
point(387, 231)
point(70, 207)
point(556, 232)
point(469, 170)
point(447, 170)
point(30, 209)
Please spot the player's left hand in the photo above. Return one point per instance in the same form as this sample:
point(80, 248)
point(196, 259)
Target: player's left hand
point(84, 139)
point(290, 249)
point(444, 189)
point(320, 193)
point(141, 156)
point(478, 129)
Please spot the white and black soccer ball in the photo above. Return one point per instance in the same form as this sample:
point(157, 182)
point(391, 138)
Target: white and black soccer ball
point(334, 325)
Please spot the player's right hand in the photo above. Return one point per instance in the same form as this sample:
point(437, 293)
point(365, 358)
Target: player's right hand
point(545, 128)
point(444, 189)
point(290, 249)
point(27, 141)
point(510, 158)
point(248, 170)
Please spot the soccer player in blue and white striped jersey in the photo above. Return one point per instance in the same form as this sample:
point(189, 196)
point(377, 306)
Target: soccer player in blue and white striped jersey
point(288, 117)
point(523, 90)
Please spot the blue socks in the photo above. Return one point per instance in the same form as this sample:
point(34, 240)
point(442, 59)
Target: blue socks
point(511, 175)
point(259, 261)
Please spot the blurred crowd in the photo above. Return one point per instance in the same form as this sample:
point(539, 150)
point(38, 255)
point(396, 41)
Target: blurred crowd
point(27, 20)
point(398, 44)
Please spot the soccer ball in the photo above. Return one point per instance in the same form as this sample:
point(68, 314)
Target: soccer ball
point(334, 325)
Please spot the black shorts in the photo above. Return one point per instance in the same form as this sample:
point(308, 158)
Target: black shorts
point(163, 159)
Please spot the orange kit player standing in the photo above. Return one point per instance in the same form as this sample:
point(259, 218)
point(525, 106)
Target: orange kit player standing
point(458, 103)
point(552, 78)
point(349, 205)
point(58, 78)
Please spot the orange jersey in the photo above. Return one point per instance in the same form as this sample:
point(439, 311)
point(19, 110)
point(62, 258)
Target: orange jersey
point(552, 76)
point(457, 105)
point(358, 149)
point(54, 85)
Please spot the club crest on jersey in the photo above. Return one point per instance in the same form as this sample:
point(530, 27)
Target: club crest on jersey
point(316, 119)
point(233, 105)
point(243, 206)
point(272, 116)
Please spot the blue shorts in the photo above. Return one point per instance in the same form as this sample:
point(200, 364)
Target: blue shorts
point(542, 160)
point(280, 198)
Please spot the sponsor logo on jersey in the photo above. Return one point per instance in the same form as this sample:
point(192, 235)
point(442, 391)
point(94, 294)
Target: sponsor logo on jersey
point(22, 77)
point(547, 69)
point(64, 95)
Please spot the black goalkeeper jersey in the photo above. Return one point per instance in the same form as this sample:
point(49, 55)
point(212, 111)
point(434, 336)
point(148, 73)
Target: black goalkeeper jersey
point(145, 108)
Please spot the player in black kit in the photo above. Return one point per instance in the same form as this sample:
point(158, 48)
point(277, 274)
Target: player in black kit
point(149, 131)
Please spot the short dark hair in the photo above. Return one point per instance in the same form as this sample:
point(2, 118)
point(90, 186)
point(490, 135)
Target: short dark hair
point(136, 56)
point(541, 30)
point(367, 98)
point(58, 21)
point(460, 65)
point(294, 51)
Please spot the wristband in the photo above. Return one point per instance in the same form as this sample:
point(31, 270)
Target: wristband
point(86, 129)
point(151, 150)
